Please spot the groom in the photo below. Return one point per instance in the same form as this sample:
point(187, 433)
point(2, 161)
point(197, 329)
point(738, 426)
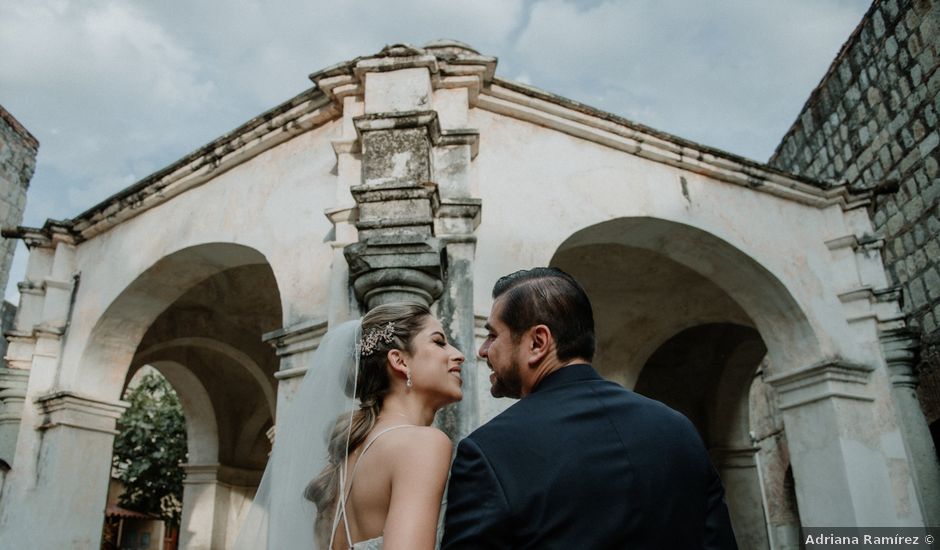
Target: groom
point(578, 462)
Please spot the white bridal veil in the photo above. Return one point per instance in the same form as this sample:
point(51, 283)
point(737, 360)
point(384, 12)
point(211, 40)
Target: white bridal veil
point(280, 517)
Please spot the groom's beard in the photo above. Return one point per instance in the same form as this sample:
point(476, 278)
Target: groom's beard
point(507, 384)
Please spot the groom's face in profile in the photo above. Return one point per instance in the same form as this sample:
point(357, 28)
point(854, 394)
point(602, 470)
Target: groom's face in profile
point(501, 354)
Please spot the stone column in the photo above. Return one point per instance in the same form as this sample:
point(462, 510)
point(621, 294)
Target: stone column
point(198, 525)
point(72, 475)
point(12, 396)
point(900, 348)
point(737, 468)
point(405, 129)
point(848, 460)
point(214, 496)
point(456, 222)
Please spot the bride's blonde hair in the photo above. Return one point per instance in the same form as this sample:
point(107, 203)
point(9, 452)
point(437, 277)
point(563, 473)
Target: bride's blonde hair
point(406, 320)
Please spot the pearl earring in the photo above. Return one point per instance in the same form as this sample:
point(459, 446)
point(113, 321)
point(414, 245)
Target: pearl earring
point(408, 380)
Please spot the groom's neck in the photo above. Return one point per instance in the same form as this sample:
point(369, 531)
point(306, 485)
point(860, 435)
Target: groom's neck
point(539, 372)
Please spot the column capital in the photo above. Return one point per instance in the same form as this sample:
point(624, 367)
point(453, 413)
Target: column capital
point(13, 378)
point(824, 380)
point(457, 219)
point(391, 284)
point(65, 408)
point(900, 346)
point(13, 384)
point(299, 337)
point(220, 473)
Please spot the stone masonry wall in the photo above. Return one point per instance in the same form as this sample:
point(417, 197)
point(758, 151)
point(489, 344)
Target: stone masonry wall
point(873, 122)
point(17, 163)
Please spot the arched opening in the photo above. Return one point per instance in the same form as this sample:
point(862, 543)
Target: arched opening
point(705, 372)
point(684, 317)
point(145, 489)
point(198, 317)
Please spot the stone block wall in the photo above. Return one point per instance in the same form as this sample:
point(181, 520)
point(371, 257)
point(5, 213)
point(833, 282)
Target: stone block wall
point(17, 163)
point(873, 122)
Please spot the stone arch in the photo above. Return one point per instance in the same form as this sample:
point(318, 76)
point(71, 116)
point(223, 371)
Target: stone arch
point(750, 294)
point(687, 318)
point(199, 316)
point(116, 335)
point(706, 372)
point(241, 358)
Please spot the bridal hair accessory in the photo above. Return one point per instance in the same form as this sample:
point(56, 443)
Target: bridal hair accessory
point(370, 340)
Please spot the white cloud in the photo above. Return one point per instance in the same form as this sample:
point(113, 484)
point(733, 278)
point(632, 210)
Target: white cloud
point(731, 73)
point(116, 89)
point(109, 86)
point(95, 82)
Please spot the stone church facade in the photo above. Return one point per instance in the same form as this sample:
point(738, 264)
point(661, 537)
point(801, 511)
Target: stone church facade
point(753, 300)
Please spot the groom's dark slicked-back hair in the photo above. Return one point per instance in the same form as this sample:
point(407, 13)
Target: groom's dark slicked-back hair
point(548, 296)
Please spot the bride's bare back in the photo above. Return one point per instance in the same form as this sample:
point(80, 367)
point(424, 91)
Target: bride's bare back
point(396, 483)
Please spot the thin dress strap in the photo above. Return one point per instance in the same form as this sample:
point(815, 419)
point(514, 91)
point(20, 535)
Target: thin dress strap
point(347, 485)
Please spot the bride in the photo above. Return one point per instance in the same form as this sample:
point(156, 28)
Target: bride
point(377, 480)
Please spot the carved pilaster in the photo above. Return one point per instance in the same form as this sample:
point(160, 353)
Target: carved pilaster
point(900, 347)
point(301, 339)
point(295, 346)
point(837, 419)
point(397, 257)
point(404, 151)
point(12, 396)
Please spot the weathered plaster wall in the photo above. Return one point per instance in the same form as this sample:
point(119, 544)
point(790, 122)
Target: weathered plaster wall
point(273, 204)
point(540, 187)
point(873, 122)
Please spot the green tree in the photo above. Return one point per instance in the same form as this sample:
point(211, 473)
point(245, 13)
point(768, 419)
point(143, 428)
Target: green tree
point(149, 449)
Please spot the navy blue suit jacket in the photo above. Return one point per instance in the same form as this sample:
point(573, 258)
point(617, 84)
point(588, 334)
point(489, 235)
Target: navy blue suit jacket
point(583, 463)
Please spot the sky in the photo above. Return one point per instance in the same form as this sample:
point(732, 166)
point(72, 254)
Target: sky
point(114, 90)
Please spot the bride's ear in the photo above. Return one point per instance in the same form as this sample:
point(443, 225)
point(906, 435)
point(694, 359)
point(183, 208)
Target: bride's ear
point(396, 360)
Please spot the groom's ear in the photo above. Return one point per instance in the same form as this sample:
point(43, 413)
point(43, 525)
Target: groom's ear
point(539, 344)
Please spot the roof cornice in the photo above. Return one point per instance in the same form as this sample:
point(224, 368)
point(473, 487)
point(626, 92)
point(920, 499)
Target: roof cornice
point(452, 65)
point(295, 116)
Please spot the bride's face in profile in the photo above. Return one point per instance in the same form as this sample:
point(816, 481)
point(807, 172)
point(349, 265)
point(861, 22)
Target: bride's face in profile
point(435, 364)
